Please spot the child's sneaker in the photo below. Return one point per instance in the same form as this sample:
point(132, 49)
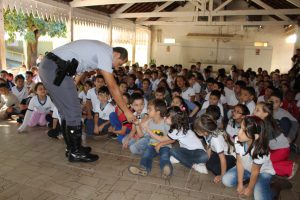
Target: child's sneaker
point(166, 172)
point(173, 160)
point(135, 170)
point(201, 168)
point(294, 170)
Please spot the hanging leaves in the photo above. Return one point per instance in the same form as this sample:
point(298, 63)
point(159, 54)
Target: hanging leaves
point(31, 26)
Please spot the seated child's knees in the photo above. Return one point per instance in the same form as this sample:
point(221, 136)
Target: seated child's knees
point(229, 180)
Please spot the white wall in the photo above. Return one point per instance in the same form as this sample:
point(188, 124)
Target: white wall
point(225, 51)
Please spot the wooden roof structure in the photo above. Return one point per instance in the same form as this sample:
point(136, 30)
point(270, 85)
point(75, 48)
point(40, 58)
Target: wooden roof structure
point(206, 12)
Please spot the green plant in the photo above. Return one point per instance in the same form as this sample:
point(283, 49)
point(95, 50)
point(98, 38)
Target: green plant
point(152, 61)
point(31, 27)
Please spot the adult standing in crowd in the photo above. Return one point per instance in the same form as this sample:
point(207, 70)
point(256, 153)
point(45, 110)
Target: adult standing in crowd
point(56, 71)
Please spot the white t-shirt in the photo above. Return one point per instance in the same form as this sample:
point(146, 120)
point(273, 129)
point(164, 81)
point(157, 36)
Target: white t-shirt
point(261, 98)
point(90, 54)
point(297, 97)
point(188, 93)
point(42, 107)
point(251, 106)
point(247, 160)
point(105, 111)
point(206, 104)
point(155, 84)
point(82, 96)
point(20, 94)
point(30, 87)
point(55, 113)
point(217, 144)
point(232, 101)
point(228, 93)
point(93, 97)
point(232, 129)
point(188, 141)
point(197, 88)
point(222, 99)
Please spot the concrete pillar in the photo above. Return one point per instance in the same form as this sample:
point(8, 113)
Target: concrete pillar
point(134, 45)
point(70, 26)
point(2, 41)
point(110, 32)
point(297, 44)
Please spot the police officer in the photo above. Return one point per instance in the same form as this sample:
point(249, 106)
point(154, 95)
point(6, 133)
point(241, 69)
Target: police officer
point(56, 71)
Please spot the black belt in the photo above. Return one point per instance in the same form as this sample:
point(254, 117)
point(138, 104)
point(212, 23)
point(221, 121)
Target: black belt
point(64, 68)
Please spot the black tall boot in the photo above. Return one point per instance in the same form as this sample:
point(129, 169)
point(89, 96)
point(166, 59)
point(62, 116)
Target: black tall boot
point(77, 154)
point(67, 140)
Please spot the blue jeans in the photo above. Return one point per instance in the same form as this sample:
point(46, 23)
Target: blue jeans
point(189, 157)
point(90, 126)
point(150, 153)
point(139, 146)
point(262, 189)
point(115, 122)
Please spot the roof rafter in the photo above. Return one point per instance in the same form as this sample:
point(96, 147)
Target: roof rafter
point(83, 3)
point(225, 23)
point(123, 8)
point(294, 2)
point(208, 13)
point(160, 8)
point(267, 7)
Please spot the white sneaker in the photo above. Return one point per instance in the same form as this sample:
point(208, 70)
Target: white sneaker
point(201, 168)
point(173, 160)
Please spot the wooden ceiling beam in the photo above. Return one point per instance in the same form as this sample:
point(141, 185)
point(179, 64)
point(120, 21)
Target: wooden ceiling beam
point(84, 3)
point(219, 23)
point(208, 13)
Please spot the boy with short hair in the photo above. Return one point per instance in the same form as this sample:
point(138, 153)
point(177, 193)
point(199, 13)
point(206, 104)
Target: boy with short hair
point(100, 124)
point(157, 125)
point(136, 141)
point(283, 115)
point(214, 99)
point(9, 103)
point(247, 98)
point(92, 101)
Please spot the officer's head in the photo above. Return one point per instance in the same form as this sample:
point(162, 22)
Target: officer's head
point(120, 56)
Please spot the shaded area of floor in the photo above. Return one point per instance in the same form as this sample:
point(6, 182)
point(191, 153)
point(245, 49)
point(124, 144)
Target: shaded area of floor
point(33, 167)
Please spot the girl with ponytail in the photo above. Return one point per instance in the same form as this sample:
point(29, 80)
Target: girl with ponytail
point(253, 161)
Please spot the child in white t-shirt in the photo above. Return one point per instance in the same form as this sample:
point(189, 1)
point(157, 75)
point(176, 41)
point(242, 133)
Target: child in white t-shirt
point(39, 106)
point(247, 98)
point(214, 99)
point(239, 112)
point(83, 97)
point(219, 149)
point(100, 124)
point(253, 161)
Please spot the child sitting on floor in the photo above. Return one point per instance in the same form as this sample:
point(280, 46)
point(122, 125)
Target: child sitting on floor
point(39, 106)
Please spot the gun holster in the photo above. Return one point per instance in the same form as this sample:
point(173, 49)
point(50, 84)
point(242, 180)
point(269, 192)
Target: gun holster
point(64, 68)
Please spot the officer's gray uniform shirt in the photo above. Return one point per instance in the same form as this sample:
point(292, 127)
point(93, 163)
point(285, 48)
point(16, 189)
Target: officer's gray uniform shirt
point(90, 54)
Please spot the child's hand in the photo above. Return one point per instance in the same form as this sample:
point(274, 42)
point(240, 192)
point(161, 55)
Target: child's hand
point(248, 192)
point(96, 130)
point(101, 127)
point(217, 179)
point(240, 189)
point(125, 143)
point(111, 129)
point(157, 147)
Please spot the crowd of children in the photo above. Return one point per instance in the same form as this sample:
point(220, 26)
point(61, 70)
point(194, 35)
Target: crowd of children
point(240, 126)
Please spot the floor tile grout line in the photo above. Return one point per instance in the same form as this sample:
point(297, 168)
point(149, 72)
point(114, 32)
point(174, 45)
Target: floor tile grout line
point(36, 187)
point(188, 178)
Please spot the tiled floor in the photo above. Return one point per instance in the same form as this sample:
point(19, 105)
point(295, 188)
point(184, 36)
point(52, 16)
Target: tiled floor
point(33, 167)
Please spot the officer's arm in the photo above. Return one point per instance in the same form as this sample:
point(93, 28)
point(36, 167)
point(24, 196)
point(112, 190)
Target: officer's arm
point(116, 94)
